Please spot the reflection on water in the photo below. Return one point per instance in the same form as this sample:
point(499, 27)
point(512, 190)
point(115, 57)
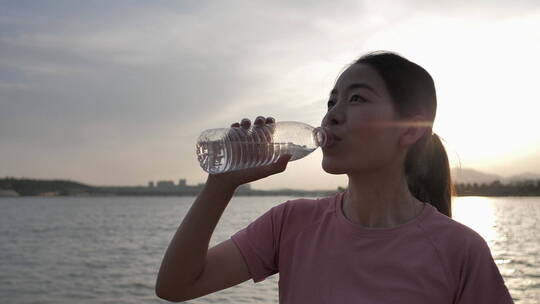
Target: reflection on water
point(479, 214)
point(108, 250)
point(510, 227)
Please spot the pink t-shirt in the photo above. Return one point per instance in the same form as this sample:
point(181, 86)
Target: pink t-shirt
point(323, 257)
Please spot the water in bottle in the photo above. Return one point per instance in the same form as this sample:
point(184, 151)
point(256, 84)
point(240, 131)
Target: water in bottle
point(230, 149)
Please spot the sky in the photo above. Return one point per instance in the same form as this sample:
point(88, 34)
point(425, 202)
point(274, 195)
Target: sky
point(117, 92)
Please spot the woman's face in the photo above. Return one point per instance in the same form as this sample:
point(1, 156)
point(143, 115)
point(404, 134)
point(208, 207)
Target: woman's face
point(359, 112)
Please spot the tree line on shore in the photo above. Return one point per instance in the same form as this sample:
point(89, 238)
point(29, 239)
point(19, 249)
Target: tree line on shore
point(496, 188)
point(35, 187)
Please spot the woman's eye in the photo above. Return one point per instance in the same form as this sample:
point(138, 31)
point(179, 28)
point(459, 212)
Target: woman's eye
point(353, 98)
point(357, 98)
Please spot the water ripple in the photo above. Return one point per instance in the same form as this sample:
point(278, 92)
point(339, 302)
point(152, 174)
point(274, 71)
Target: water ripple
point(108, 250)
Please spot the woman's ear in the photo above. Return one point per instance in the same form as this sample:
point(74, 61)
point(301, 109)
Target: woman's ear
point(414, 129)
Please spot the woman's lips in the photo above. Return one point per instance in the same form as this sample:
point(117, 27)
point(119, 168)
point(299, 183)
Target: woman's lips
point(333, 139)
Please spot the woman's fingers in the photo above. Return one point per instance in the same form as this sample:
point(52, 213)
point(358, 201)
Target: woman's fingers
point(259, 121)
point(245, 123)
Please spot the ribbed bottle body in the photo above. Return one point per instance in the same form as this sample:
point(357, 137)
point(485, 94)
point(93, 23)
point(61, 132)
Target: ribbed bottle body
point(230, 149)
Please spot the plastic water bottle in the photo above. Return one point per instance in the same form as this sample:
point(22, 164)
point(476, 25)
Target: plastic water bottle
point(230, 149)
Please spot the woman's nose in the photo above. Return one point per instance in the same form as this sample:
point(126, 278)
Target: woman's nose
point(333, 117)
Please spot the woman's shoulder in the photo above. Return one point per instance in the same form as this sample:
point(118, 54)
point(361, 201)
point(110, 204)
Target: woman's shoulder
point(306, 205)
point(451, 237)
point(296, 213)
point(467, 258)
point(443, 227)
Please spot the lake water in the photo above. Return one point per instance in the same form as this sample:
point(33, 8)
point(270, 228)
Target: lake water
point(108, 250)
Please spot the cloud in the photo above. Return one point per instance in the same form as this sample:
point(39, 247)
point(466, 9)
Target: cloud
point(76, 76)
point(155, 67)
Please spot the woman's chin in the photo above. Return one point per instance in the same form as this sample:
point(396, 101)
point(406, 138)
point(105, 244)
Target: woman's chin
point(332, 167)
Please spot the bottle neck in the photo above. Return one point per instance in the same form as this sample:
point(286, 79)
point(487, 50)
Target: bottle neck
point(322, 137)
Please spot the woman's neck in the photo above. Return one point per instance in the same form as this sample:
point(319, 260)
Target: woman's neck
point(380, 200)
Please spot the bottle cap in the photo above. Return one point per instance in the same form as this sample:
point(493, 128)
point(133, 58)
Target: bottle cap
point(323, 137)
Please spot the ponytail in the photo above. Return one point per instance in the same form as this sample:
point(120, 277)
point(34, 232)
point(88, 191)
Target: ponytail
point(428, 173)
point(413, 91)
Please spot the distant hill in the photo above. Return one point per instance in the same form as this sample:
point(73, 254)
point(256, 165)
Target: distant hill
point(31, 187)
point(521, 177)
point(468, 182)
point(467, 175)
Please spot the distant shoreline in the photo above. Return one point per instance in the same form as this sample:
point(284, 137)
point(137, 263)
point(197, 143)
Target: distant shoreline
point(12, 187)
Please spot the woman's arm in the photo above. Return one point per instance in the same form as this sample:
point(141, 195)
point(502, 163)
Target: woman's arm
point(188, 269)
point(185, 257)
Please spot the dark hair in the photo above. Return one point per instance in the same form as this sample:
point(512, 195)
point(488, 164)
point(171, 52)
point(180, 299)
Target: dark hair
point(413, 92)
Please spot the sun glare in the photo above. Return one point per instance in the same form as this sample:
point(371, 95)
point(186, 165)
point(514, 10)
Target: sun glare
point(478, 213)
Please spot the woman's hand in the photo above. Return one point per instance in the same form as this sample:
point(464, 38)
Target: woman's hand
point(236, 178)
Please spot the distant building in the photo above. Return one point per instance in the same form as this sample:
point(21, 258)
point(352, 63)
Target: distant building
point(150, 184)
point(165, 184)
point(182, 182)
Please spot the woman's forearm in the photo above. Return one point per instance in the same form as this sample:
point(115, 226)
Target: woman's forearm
point(185, 257)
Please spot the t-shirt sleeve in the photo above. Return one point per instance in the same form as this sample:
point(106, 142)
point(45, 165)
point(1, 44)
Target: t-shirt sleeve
point(480, 280)
point(259, 243)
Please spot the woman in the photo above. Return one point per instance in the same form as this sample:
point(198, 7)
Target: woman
point(389, 238)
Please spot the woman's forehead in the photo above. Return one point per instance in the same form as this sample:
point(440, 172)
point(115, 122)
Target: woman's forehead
point(360, 73)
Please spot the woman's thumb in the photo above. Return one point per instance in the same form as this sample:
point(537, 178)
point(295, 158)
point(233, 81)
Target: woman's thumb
point(283, 161)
